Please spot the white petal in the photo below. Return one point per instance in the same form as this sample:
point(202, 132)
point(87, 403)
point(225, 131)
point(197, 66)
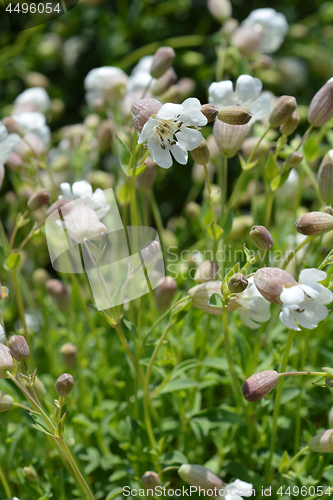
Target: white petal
point(7, 146)
point(148, 130)
point(98, 199)
point(220, 93)
point(261, 107)
point(311, 276)
point(169, 110)
point(325, 297)
point(312, 314)
point(82, 189)
point(101, 212)
point(3, 132)
point(287, 318)
point(160, 156)
point(292, 295)
point(191, 114)
point(2, 335)
point(179, 154)
point(245, 317)
point(66, 190)
point(189, 138)
point(247, 89)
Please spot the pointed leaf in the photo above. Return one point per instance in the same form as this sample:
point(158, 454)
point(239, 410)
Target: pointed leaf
point(124, 155)
point(271, 168)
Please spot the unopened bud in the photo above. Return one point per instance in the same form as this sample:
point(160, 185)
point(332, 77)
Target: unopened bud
point(294, 159)
point(12, 126)
point(323, 442)
point(164, 293)
point(146, 180)
point(201, 154)
point(149, 481)
point(329, 381)
point(192, 210)
point(142, 110)
point(40, 276)
point(69, 355)
point(321, 107)
point(104, 136)
point(163, 83)
point(38, 199)
point(207, 271)
point(237, 283)
point(92, 121)
point(261, 238)
point(6, 361)
point(60, 293)
point(246, 39)
point(6, 402)
point(220, 9)
point(64, 385)
point(289, 126)
point(229, 138)
point(234, 115)
point(330, 418)
point(197, 475)
point(19, 348)
point(210, 111)
point(59, 205)
point(325, 177)
point(259, 385)
point(282, 110)
point(162, 61)
point(314, 223)
point(201, 295)
point(328, 210)
point(29, 473)
point(250, 143)
point(270, 282)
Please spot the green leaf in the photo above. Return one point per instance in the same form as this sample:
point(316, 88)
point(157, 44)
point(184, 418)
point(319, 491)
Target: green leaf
point(215, 231)
point(284, 463)
point(60, 429)
point(289, 393)
point(228, 223)
point(40, 424)
point(311, 148)
point(278, 181)
point(173, 457)
point(3, 255)
point(328, 370)
point(123, 192)
point(180, 311)
point(124, 155)
point(135, 172)
point(216, 300)
point(13, 261)
point(271, 168)
point(179, 385)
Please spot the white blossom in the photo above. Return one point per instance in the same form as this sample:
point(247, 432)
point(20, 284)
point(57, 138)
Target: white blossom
point(83, 223)
point(82, 189)
point(33, 121)
point(105, 85)
point(271, 25)
point(7, 143)
point(169, 132)
point(304, 304)
point(140, 77)
point(2, 335)
point(34, 99)
point(253, 307)
point(237, 490)
point(247, 93)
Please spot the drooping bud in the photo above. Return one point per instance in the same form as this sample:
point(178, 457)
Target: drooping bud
point(19, 348)
point(328, 210)
point(261, 238)
point(321, 107)
point(210, 111)
point(146, 180)
point(197, 475)
point(229, 138)
point(259, 385)
point(60, 293)
point(322, 442)
point(6, 402)
point(220, 9)
point(82, 223)
point(12, 126)
point(59, 205)
point(246, 39)
point(30, 473)
point(149, 481)
point(164, 293)
point(294, 159)
point(162, 61)
point(69, 355)
point(201, 295)
point(163, 83)
point(192, 210)
point(237, 283)
point(104, 135)
point(270, 281)
point(289, 126)
point(325, 177)
point(38, 199)
point(234, 115)
point(92, 121)
point(282, 110)
point(6, 361)
point(201, 154)
point(207, 271)
point(40, 276)
point(142, 110)
point(314, 223)
point(64, 385)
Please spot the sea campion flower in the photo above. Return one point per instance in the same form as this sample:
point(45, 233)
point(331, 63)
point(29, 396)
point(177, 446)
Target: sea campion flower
point(105, 85)
point(253, 308)
point(2, 335)
point(7, 143)
point(169, 132)
point(35, 122)
point(83, 223)
point(304, 302)
point(271, 25)
point(247, 94)
point(82, 189)
point(34, 99)
point(140, 76)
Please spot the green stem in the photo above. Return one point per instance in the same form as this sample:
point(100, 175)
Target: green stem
point(312, 177)
point(269, 206)
point(75, 468)
point(233, 196)
point(305, 136)
point(257, 145)
point(5, 483)
point(277, 403)
point(157, 217)
point(224, 185)
point(296, 457)
point(293, 252)
point(221, 53)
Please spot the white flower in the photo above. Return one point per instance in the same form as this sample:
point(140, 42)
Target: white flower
point(83, 223)
point(272, 26)
point(237, 490)
point(305, 302)
point(254, 308)
point(2, 335)
point(106, 84)
point(34, 99)
point(33, 121)
point(7, 143)
point(83, 189)
point(169, 132)
point(140, 77)
point(247, 93)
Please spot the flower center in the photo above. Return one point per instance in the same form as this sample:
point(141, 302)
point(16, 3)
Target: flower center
point(166, 130)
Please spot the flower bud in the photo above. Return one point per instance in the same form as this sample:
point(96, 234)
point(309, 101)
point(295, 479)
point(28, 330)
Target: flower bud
point(164, 293)
point(282, 110)
point(330, 418)
point(60, 293)
point(220, 9)
point(40, 276)
point(259, 385)
point(328, 210)
point(69, 355)
point(6, 361)
point(229, 138)
point(192, 210)
point(59, 205)
point(210, 111)
point(82, 223)
point(321, 107)
point(12, 126)
point(207, 271)
point(201, 154)
point(19, 348)
point(92, 121)
point(149, 481)
point(325, 177)
point(142, 110)
point(162, 61)
point(6, 402)
point(329, 381)
point(104, 135)
point(322, 442)
point(29, 473)
point(38, 199)
point(234, 115)
point(294, 159)
point(34, 79)
point(289, 126)
point(64, 385)
point(237, 283)
point(246, 39)
point(270, 281)
point(197, 475)
point(314, 223)
point(150, 252)
point(146, 180)
point(261, 238)
point(201, 295)
point(163, 83)
point(250, 143)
